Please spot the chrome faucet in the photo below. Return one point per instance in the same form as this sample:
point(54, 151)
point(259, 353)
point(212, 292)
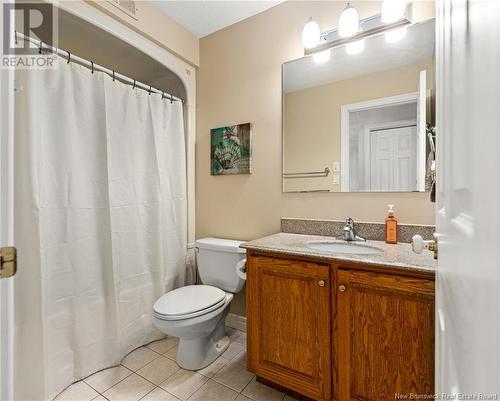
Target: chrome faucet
point(349, 234)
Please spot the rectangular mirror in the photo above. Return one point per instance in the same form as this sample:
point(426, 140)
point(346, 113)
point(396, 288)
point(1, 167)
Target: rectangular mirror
point(357, 122)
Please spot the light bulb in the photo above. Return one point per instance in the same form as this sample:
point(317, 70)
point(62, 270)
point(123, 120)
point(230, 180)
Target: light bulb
point(311, 34)
point(355, 47)
point(321, 57)
point(395, 35)
point(393, 10)
point(348, 21)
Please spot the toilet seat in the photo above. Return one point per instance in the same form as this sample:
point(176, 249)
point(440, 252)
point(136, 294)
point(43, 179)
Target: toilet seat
point(187, 302)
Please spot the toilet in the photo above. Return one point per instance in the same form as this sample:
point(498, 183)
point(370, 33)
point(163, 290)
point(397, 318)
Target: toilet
point(196, 313)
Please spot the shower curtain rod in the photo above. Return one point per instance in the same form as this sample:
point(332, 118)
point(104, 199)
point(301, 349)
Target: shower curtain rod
point(95, 67)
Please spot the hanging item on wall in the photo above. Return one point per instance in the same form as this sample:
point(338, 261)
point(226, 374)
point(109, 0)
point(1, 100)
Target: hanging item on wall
point(230, 150)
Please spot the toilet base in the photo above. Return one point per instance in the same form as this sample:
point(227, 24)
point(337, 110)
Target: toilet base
point(202, 339)
point(197, 353)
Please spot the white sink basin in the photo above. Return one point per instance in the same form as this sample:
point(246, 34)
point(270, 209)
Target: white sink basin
point(343, 247)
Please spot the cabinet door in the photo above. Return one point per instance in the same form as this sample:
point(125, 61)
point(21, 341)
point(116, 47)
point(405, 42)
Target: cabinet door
point(288, 304)
point(384, 339)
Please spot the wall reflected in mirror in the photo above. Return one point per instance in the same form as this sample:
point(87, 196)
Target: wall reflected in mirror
point(356, 123)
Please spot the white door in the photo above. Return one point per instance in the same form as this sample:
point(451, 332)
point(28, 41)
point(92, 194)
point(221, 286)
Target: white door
point(393, 159)
point(422, 108)
point(468, 197)
point(6, 225)
point(6, 232)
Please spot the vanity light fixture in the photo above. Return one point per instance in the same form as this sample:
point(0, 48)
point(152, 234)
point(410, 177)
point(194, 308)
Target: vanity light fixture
point(311, 34)
point(393, 10)
point(354, 44)
point(348, 21)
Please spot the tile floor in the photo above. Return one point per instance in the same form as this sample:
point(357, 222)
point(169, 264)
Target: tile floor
point(150, 373)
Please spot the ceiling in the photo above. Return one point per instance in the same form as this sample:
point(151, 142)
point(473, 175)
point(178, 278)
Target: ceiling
point(417, 45)
point(207, 16)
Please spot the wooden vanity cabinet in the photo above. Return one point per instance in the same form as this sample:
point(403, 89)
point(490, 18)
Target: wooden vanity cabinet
point(288, 324)
point(334, 332)
point(384, 336)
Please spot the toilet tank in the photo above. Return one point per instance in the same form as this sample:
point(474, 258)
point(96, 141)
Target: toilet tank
point(217, 259)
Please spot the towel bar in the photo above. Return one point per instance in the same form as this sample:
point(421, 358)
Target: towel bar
point(309, 174)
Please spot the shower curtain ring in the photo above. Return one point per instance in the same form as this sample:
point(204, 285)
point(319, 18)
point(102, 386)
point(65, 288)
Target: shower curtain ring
point(40, 49)
point(69, 57)
point(92, 66)
point(15, 36)
point(113, 75)
point(133, 87)
point(162, 95)
point(171, 99)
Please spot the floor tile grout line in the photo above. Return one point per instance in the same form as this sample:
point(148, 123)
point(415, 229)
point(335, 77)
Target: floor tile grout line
point(238, 391)
point(72, 384)
point(98, 392)
point(154, 359)
point(142, 377)
point(250, 397)
point(138, 374)
point(102, 393)
point(178, 372)
point(217, 371)
point(172, 359)
point(158, 387)
point(129, 369)
point(243, 389)
point(161, 353)
point(149, 381)
point(210, 380)
point(145, 395)
point(155, 341)
point(222, 384)
point(84, 381)
point(203, 385)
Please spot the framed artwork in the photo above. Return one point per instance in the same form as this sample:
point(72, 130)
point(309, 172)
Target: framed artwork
point(230, 150)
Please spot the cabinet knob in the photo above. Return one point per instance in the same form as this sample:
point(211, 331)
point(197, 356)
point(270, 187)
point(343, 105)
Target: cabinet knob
point(342, 288)
point(321, 283)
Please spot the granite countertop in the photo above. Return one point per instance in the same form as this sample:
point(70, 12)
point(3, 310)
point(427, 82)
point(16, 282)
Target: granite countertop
point(400, 256)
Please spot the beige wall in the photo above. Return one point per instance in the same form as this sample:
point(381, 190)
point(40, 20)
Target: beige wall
point(158, 27)
point(239, 80)
point(313, 119)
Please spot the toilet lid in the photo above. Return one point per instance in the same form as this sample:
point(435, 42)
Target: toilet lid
point(189, 300)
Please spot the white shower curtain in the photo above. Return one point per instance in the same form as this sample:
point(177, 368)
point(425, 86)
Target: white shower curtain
point(101, 225)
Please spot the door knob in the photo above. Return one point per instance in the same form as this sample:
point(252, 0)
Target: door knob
point(419, 244)
point(342, 288)
point(8, 261)
point(321, 283)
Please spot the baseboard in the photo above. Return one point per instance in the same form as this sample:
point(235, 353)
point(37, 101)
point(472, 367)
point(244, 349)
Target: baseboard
point(236, 322)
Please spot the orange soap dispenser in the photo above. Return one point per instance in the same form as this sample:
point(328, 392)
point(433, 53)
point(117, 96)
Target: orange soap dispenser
point(391, 227)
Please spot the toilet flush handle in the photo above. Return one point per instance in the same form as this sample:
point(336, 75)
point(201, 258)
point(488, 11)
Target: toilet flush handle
point(241, 269)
